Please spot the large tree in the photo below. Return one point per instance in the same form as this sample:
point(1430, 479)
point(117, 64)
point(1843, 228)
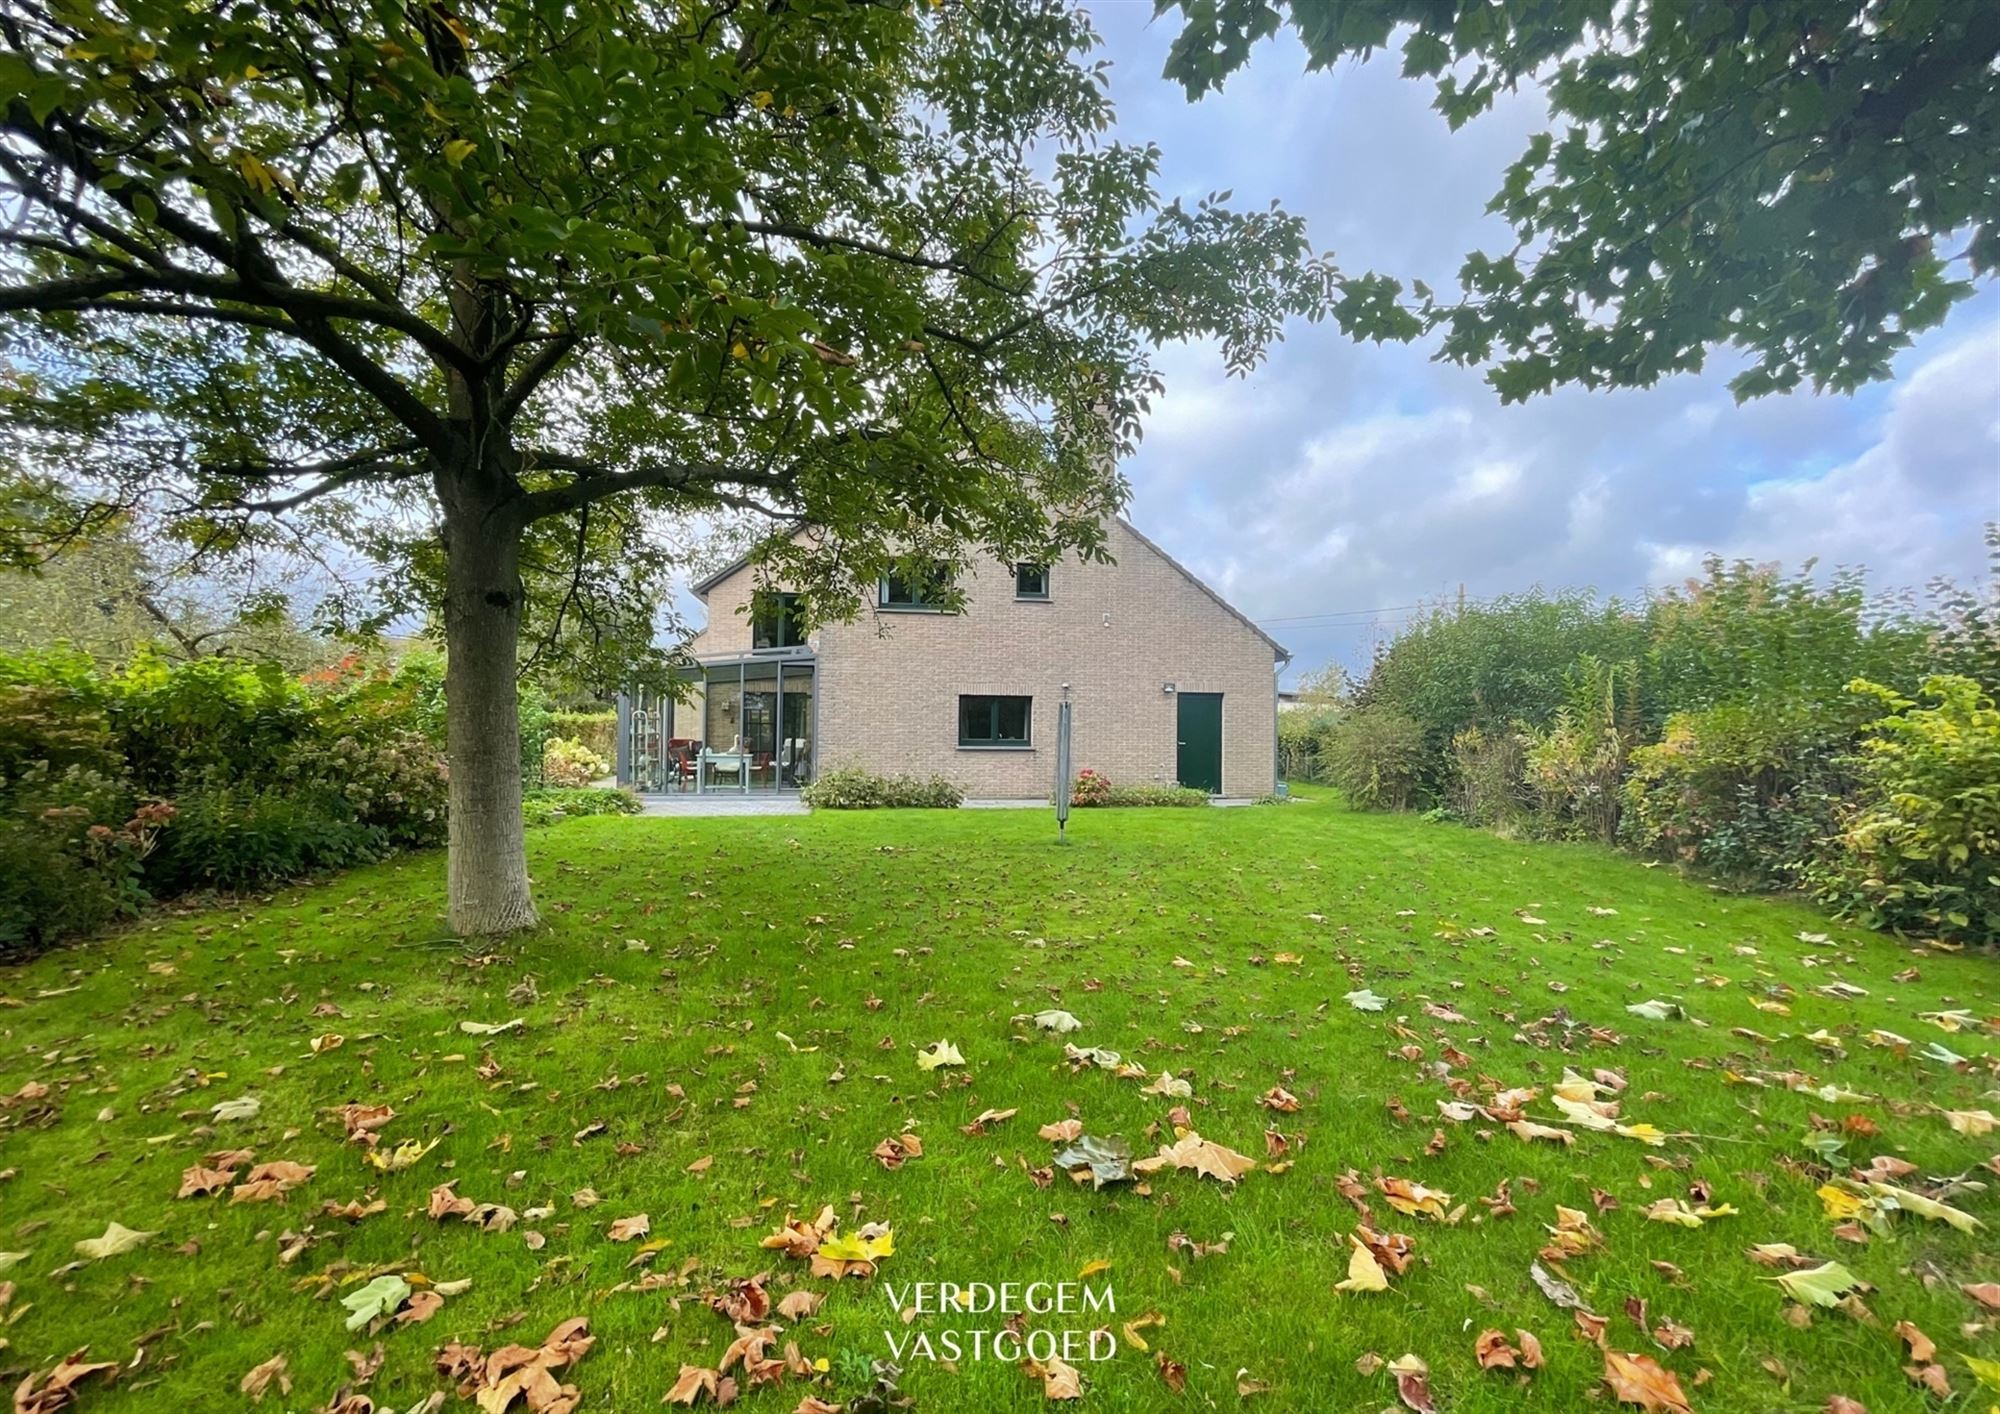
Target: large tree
point(477, 285)
point(1811, 181)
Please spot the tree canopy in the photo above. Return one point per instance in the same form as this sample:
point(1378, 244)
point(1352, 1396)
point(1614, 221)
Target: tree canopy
point(486, 289)
point(1810, 181)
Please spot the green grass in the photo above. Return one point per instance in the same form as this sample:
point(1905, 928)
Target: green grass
point(676, 952)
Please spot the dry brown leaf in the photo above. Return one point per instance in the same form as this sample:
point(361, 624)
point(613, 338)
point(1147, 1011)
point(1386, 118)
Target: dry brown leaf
point(1638, 1379)
point(626, 1229)
point(1922, 1347)
point(199, 1182)
point(54, 1389)
point(1191, 1151)
point(259, 1379)
point(1063, 1131)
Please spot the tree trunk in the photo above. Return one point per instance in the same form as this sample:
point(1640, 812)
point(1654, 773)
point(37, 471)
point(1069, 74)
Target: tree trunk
point(488, 857)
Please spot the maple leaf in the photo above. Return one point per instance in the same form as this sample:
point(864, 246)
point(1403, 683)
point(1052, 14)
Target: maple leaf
point(1413, 1199)
point(403, 1156)
point(270, 1181)
point(1823, 1285)
point(1638, 1379)
point(1059, 1380)
point(1413, 1383)
point(1528, 1129)
point(1107, 1160)
point(1364, 1273)
point(938, 1055)
point(1062, 1131)
point(199, 1182)
point(118, 1239)
point(54, 1389)
point(1191, 1151)
point(855, 1253)
point(379, 1297)
point(259, 1378)
point(1280, 1100)
point(625, 1229)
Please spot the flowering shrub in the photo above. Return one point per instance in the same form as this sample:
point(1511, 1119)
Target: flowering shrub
point(568, 763)
point(1091, 788)
point(120, 787)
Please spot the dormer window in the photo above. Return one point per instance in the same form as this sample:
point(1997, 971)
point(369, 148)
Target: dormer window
point(1031, 581)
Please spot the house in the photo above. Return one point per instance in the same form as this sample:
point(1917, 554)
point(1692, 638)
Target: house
point(1168, 683)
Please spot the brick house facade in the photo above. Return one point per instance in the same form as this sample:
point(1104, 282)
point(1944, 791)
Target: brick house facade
point(1144, 647)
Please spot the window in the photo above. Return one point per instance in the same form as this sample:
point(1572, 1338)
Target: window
point(994, 721)
point(774, 623)
point(900, 591)
point(1031, 581)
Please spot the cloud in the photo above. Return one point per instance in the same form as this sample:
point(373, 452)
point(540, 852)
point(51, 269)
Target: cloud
point(1342, 478)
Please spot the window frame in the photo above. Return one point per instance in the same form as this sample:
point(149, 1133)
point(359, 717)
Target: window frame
point(916, 604)
point(1046, 593)
point(997, 742)
point(786, 620)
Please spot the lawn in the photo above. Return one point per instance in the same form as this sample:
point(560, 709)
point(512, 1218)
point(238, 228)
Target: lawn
point(721, 1022)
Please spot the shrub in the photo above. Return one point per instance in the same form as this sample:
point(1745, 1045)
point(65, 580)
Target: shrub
point(1091, 788)
point(1302, 737)
point(851, 789)
point(1739, 788)
point(1153, 793)
point(1921, 848)
point(71, 850)
point(569, 763)
point(1374, 755)
point(546, 806)
point(241, 837)
point(1575, 765)
point(596, 730)
point(1488, 776)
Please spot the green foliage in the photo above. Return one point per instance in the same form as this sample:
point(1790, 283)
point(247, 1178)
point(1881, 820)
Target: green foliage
point(571, 764)
point(214, 773)
point(548, 805)
point(1094, 790)
point(1744, 789)
point(1793, 178)
point(1921, 847)
point(1488, 777)
point(596, 730)
point(244, 836)
point(1153, 794)
point(1374, 755)
point(1302, 736)
point(1575, 764)
point(1499, 666)
point(851, 789)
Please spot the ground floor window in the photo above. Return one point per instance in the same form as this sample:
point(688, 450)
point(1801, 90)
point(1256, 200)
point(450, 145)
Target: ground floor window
point(993, 721)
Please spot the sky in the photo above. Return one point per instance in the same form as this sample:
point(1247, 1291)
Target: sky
point(1345, 477)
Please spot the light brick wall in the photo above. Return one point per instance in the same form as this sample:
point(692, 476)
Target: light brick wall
point(889, 682)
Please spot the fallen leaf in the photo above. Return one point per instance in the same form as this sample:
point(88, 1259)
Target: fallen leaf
point(259, 1379)
point(117, 1240)
point(1638, 1379)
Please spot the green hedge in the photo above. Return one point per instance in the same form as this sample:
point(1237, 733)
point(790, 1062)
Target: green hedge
point(596, 730)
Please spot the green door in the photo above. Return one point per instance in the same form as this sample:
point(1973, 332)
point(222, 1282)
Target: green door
point(1198, 762)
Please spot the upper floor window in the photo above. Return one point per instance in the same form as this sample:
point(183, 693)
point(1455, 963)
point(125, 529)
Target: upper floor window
point(922, 591)
point(994, 721)
point(1031, 581)
point(774, 623)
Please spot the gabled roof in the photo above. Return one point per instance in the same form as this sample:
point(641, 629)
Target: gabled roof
point(702, 587)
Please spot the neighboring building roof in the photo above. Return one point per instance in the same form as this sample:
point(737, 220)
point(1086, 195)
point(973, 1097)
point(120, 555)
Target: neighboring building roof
point(702, 587)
